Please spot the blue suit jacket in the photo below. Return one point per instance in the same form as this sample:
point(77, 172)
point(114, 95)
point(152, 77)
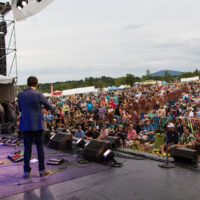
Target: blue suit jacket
point(30, 105)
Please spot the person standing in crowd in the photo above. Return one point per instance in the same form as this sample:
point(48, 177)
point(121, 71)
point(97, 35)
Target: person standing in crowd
point(89, 106)
point(49, 118)
point(32, 123)
point(66, 110)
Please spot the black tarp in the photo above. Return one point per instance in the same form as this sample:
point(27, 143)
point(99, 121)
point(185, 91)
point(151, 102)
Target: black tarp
point(7, 89)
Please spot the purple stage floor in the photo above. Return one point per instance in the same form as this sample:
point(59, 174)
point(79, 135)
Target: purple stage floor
point(11, 173)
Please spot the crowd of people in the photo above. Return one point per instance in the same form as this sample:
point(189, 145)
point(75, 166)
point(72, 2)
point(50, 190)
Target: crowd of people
point(150, 118)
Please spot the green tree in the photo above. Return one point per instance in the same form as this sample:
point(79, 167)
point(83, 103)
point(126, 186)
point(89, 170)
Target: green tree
point(167, 77)
point(89, 81)
point(148, 72)
point(120, 81)
point(196, 72)
point(130, 79)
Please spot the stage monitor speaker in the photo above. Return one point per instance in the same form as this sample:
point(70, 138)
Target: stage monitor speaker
point(61, 141)
point(46, 136)
point(7, 128)
point(114, 140)
point(184, 155)
point(95, 148)
point(59, 130)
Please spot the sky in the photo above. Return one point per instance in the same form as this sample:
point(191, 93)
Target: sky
point(74, 39)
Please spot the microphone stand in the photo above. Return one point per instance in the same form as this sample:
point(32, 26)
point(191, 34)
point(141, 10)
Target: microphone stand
point(167, 164)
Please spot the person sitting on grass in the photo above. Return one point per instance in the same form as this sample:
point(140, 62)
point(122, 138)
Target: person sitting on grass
point(171, 138)
point(132, 135)
point(103, 133)
point(92, 133)
point(187, 139)
point(79, 133)
point(147, 132)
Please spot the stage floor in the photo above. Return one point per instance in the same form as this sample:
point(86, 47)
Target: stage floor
point(136, 180)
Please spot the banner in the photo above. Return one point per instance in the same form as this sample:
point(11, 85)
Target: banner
point(195, 78)
point(32, 8)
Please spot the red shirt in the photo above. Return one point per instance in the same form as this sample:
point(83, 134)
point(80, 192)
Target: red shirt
point(132, 135)
point(112, 104)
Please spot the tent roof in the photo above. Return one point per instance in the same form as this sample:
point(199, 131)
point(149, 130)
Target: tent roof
point(82, 90)
point(112, 88)
point(6, 79)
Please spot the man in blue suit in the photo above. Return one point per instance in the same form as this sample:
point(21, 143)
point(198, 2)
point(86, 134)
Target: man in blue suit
point(30, 104)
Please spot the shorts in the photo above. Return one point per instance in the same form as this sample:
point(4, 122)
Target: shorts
point(66, 113)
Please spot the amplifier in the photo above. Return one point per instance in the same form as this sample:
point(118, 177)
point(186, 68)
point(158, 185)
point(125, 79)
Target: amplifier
point(184, 155)
point(114, 140)
point(7, 128)
point(95, 149)
point(60, 141)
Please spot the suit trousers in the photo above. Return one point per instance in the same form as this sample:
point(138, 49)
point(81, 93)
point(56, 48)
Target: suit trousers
point(28, 140)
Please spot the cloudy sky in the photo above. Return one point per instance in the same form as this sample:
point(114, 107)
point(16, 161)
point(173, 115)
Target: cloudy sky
point(74, 39)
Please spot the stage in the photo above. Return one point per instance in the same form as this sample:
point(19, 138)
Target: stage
point(137, 179)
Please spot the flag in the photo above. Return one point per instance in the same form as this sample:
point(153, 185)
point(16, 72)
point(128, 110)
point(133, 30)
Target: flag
point(52, 89)
point(32, 8)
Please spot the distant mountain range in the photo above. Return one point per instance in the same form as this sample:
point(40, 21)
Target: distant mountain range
point(162, 73)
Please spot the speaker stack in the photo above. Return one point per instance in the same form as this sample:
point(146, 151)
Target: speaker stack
point(95, 149)
point(60, 141)
point(115, 141)
point(185, 155)
point(59, 130)
point(7, 128)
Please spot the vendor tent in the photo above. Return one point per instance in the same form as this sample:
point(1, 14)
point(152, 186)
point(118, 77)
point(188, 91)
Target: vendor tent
point(124, 86)
point(83, 90)
point(121, 87)
point(112, 88)
point(195, 78)
point(7, 90)
point(164, 82)
point(57, 93)
point(148, 82)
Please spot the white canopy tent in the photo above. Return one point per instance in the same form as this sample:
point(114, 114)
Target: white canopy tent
point(124, 86)
point(195, 78)
point(46, 94)
point(82, 90)
point(121, 87)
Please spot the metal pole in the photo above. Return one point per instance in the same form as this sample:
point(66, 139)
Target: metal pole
point(16, 59)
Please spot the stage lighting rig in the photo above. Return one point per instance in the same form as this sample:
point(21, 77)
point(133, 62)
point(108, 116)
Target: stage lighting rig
point(80, 143)
point(21, 4)
point(109, 155)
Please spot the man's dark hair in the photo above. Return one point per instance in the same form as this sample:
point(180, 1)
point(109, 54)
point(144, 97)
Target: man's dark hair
point(32, 81)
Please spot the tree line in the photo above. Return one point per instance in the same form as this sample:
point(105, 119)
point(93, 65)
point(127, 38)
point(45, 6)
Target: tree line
point(104, 81)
